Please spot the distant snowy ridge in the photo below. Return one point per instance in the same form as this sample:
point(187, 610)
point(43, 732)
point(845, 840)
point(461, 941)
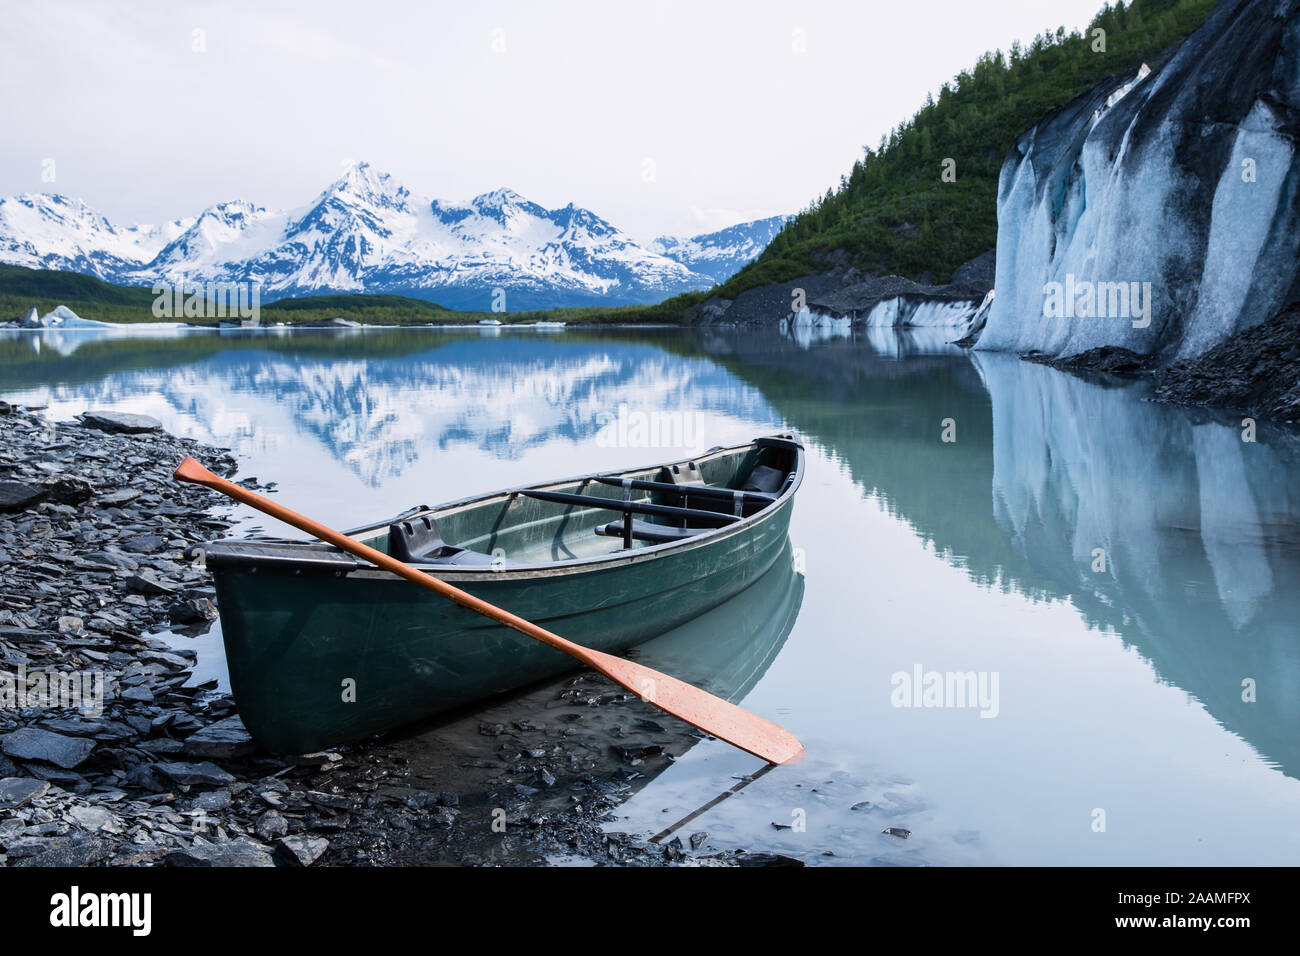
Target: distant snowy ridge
point(368, 233)
point(720, 255)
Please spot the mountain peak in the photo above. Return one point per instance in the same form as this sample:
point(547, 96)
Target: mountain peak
point(365, 233)
point(504, 196)
point(363, 181)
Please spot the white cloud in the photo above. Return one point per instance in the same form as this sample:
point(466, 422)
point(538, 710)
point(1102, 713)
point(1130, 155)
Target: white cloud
point(735, 121)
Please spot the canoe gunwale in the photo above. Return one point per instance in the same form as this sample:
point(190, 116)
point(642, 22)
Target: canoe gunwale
point(225, 554)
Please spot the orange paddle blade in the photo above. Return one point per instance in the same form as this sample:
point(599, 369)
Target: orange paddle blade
point(709, 713)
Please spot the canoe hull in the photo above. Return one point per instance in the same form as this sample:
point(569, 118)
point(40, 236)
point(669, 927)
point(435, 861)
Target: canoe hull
point(318, 661)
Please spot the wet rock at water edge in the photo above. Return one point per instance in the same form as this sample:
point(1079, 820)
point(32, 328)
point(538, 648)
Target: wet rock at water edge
point(120, 422)
point(766, 859)
point(31, 743)
point(321, 760)
point(192, 610)
point(637, 754)
point(18, 495)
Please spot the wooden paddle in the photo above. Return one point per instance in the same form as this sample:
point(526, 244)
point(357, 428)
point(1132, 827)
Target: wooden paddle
point(711, 714)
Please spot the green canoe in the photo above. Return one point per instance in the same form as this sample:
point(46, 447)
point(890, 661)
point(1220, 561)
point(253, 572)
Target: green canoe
point(323, 649)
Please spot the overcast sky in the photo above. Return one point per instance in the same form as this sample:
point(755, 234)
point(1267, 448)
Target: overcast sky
point(663, 117)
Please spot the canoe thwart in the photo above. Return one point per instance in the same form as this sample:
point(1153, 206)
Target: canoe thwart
point(694, 491)
point(636, 507)
point(645, 531)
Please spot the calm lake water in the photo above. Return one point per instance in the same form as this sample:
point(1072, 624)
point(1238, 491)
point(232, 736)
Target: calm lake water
point(1120, 577)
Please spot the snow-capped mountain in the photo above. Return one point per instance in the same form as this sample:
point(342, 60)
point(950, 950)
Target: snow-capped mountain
point(49, 231)
point(368, 233)
point(721, 254)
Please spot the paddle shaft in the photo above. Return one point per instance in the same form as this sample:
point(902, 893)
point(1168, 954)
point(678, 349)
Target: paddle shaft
point(711, 714)
point(378, 558)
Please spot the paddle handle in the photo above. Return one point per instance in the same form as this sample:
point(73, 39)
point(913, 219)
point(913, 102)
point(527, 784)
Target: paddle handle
point(193, 472)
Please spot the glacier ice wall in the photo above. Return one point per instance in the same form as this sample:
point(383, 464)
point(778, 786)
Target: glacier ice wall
point(919, 312)
point(950, 318)
point(1186, 178)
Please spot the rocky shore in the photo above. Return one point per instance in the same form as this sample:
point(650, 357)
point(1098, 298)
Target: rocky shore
point(1256, 372)
point(111, 754)
point(843, 291)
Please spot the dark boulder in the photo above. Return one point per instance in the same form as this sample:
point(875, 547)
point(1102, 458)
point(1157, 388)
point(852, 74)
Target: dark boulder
point(121, 422)
point(18, 495)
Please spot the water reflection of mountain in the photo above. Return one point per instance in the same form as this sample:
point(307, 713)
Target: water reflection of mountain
point(1200, 530)
point(378, 401)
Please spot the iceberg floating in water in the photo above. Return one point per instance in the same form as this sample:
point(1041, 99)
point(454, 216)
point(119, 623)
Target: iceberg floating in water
point(64, 319)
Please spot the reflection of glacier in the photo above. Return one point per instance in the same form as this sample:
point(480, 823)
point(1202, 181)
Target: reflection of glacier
point(68, 338)
point(1184, 537)
point(807, 329)
point(379, 414)
point(1200, 531)
point(1077, 467)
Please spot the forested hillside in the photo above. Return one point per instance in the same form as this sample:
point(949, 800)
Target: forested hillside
point(895, 212)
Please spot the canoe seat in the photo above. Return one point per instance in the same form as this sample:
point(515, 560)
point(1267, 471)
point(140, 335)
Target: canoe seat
point(765, 479)
point(418, 541)
point(645, 531)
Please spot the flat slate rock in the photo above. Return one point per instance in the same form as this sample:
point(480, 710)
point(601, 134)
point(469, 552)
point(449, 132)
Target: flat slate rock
point(17, 495)
point(120, 497)
point(121, 422)
point(204, 773)
point(144, 543)
point(110, 559)
point(226, 738)
point(92, 817)
point(147, 583)
point(15, 791)
point(300, 849)
point(212, 800)
point(238, 852)
point(79, 849)
point(31, 743)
